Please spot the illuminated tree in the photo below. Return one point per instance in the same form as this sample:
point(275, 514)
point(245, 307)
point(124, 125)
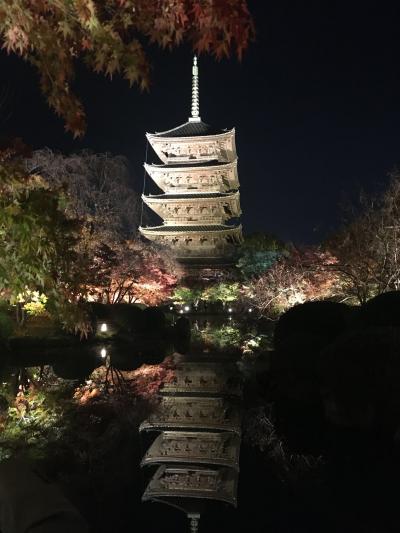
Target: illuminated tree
point(37, 240)
point(130, 272)
point(258, 253)
point(187, 295)
point(300, 276)
point(221, 292)
point(109, 37)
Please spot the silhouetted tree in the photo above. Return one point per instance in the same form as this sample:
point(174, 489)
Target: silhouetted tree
point(368, 246)
point(99, 189)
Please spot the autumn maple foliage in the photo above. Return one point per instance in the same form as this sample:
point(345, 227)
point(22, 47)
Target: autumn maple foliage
point(142, 383)
point(110, 37)
point(130, 272)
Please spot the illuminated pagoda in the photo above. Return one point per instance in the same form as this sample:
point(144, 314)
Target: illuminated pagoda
point(200, 200)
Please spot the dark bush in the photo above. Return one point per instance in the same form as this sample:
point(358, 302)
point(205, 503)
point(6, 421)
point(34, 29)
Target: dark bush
point(300, 335)
point(6, 325)
point(154, 323)
point(360, 376)
point(304, 330)
point(128, 317)
point(323, 320)
point(182, 328)
point(99, 311)
point(383, 310)
point(182, 334)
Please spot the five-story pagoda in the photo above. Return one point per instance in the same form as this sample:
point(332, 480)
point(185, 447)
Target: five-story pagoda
point(199, 180)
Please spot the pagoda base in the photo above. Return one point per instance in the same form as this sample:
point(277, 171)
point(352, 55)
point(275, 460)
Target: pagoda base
point(207, 268)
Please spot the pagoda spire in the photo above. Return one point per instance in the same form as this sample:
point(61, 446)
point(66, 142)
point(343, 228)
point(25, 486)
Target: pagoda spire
point(195, 93)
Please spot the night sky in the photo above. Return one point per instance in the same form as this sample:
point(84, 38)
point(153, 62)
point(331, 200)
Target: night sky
point(315, 103)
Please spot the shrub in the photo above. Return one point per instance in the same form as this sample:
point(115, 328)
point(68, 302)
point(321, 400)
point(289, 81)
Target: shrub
point(300, 335)
point(154, 323)
point(225, 337)
point(6, 325)
point(383, 310)
point(359, 375)
point(305, 329)
point(127, 316)
point(34, 302)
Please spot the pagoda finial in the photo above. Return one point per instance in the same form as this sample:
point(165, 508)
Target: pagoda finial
point(195, 92)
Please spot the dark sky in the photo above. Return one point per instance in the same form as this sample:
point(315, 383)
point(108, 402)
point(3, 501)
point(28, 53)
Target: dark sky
point(315, 103)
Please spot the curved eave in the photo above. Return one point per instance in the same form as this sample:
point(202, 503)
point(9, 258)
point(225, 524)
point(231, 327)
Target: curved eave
point(161, 496)
point(157, 136)
point(153, 168)
point(150, 461)
point(159, 144)
point(197, 197)
point(170, 425)
point(156, 231)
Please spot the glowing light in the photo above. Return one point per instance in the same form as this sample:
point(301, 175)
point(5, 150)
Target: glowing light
point(250, 310)
point(171, 307)
point(187, 308)
point(103, 353)
point(103, 327)
point(181, 311)
point(230, 310)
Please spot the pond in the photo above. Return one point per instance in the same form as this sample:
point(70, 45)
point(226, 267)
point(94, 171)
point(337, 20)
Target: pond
point(81, 415)
point(147, 432)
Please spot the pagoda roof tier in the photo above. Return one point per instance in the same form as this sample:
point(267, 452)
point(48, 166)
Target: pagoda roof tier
point(205, 413)
point(194, 447)
point(192, 482)
point(212, 176)
point(191, 196)
point(206, 208)
point(205, 228)
point(188, 149)
point(195, 164)
point(197, 242)
point(191, 128)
